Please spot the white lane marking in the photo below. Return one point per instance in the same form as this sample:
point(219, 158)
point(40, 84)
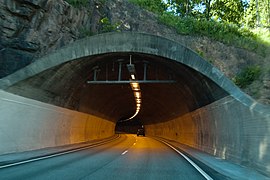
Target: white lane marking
point(124, 152)
point(191, 162)
point(56, 154)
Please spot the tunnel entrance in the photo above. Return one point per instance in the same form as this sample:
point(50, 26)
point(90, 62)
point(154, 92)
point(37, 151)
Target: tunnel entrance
point(65, 78)
point(100, 85)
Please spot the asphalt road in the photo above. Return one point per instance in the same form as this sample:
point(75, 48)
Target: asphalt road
point(129, 157)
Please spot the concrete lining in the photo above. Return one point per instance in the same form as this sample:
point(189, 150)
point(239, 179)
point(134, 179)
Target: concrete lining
point(226, 129)
point(27, 124)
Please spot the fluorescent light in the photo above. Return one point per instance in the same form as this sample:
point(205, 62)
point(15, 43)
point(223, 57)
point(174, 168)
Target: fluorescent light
point(136, 89)
point(137, 94)
point(135, 85)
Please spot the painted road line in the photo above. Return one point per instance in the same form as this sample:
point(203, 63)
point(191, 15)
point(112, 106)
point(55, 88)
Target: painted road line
point(124, 152)
point(202, 172)
point(56, 154)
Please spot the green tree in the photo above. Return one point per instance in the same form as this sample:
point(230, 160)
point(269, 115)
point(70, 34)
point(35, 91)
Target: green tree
point(183, 8)
point(231, 11)
point(265, 13)
point(157, 6)
point(208, 9)
point(258, 13)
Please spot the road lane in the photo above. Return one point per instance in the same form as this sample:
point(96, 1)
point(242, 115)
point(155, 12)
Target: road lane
point(129, 157)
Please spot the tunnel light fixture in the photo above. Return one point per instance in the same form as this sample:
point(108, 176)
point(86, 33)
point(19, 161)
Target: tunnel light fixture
point(134, 85)
point(132, 76)
point(137, 94)
point(135, 88)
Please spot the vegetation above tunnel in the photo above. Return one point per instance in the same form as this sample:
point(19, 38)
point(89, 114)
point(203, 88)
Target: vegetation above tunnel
point(242, 24)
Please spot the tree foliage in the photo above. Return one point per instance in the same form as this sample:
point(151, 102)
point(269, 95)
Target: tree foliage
point(222, 20)
point(157, 6)
point(258, 13)
point(183, 7)
point(231, 11)
point(239, 12)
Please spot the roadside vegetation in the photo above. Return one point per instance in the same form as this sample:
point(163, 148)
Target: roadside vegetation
point(247, 76)
point(240, 23)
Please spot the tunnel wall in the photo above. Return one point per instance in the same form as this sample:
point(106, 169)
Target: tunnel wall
point(226, 129)
point(27, 124)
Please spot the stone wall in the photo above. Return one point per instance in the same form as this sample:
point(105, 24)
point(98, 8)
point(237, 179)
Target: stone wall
point(226, 129)
point(27, 124)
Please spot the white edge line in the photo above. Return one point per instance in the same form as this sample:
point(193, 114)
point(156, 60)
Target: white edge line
point(191, 162)
point(51, 156)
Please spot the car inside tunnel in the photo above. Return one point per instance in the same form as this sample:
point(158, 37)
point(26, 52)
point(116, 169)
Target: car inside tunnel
point(100, 85)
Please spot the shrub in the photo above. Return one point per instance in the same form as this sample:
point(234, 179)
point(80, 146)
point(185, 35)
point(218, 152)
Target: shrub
point(247, 76)
point(106, 25)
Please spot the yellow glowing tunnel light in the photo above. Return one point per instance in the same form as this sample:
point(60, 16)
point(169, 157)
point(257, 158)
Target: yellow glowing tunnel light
point(137, 94)
point(134, 84)
point(135, 88)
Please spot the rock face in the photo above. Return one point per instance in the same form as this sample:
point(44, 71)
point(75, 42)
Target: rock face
point(33, 28)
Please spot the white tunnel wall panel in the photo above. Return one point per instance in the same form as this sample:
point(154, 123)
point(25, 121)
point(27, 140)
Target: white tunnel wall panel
point(226, 129)
point(27, 124)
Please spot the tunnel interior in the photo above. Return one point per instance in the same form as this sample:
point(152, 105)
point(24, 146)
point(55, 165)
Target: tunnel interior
point(99, 85)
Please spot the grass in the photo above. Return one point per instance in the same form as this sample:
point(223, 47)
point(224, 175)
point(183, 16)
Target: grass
point(226, 33)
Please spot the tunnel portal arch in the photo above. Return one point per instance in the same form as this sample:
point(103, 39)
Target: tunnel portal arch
point(128, 42)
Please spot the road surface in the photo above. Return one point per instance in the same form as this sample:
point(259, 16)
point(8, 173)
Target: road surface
point(129, 157)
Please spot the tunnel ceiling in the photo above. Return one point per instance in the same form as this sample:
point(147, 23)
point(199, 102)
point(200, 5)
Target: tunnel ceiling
point(66, 85)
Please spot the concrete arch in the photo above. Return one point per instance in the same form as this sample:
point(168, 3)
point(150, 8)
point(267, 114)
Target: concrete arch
point(132, 42)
